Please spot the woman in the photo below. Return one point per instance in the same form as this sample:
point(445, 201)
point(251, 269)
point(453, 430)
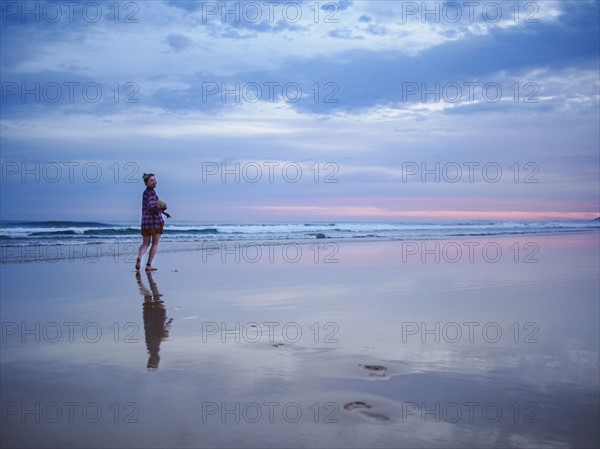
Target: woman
point(152, 221)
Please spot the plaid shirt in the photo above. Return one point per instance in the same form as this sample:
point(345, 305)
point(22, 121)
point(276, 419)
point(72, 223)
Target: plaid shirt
point(151, 214)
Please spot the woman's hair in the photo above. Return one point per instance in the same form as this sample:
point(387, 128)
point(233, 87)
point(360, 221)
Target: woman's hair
point(147, 177)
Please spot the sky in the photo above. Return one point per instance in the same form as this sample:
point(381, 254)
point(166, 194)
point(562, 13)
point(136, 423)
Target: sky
point(301, 111)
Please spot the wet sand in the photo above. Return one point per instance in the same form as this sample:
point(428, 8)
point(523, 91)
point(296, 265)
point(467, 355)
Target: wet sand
point(472, 342)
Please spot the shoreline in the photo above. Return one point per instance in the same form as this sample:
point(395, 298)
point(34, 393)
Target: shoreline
point(94, 251)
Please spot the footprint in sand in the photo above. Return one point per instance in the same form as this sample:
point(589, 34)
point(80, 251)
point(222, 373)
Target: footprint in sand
point(355, 405)
point(375, 370)
point(364, 409)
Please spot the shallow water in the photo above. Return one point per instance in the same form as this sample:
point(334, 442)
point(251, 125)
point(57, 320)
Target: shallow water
point(381, 349)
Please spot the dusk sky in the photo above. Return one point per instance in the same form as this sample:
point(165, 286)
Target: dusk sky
point(320, 111)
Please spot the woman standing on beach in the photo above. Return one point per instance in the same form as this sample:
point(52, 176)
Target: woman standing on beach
point(152, 221)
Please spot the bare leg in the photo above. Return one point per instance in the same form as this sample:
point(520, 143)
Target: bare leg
point(153, 251)
point(143, 248)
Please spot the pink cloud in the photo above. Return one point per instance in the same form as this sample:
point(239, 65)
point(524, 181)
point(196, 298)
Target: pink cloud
point(362, 212)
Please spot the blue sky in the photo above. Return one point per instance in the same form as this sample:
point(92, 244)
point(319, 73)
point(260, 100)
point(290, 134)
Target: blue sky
point(378, 103)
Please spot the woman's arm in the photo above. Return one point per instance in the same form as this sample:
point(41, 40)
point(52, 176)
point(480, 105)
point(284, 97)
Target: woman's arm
point(152, 203)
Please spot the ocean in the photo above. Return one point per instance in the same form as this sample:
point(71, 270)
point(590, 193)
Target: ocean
point(73, 239)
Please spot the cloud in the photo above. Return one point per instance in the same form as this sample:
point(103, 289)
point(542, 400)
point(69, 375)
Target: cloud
point(187, 5)
point(178, 42)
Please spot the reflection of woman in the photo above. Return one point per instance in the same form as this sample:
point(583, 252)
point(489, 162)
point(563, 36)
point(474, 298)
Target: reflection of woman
point(156, 323)
point(152, 221)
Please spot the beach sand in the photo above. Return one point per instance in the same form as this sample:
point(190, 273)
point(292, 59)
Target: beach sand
point(470, 342)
